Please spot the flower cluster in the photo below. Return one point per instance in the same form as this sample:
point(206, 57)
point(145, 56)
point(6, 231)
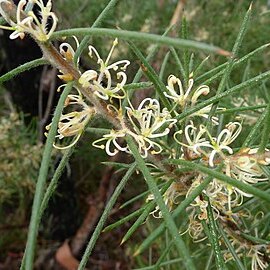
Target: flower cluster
point(101, 84)
point(257, 252)
point(200, 143)
point(39, 24)
point(100, 81)
point(148, 122)
point(244, 166)
point(72, 123)
point(197, 142)
point(181, 99)
point(153, 127)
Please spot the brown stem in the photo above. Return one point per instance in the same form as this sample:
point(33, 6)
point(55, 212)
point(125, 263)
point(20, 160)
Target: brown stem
point(178, 13)
point(56, 60)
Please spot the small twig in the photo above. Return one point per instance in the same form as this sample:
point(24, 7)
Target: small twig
point(47, 81)
point(94, 211)
point(68, 254)
point(177, 15)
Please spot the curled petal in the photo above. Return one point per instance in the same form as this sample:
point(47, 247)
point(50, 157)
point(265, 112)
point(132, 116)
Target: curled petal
point(202, 90)
point(87, 77)
point(211, 158)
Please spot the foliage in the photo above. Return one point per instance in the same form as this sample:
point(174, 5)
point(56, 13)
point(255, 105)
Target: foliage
point(19, 163)
point(199, 139)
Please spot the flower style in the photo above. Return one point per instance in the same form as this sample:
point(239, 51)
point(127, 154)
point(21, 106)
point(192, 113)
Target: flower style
point(101, 82)
point(146, 121)
point(72, 124)
point(183, 97)
point(204, 112)
point(195, 140)
point(224, 139)
point(27, 21)
point(67, 51)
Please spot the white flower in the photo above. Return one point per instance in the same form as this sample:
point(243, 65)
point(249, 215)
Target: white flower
point(189, 97)
point(72, 124)
point(257, 261)
point(149, 122)
point(245, 166)
point(67, 51)
point(204, 112)
point(224, 139)
point(180, 96)
point(112, 145)
point(27, 21)
point(101, 82)
point(195, 140)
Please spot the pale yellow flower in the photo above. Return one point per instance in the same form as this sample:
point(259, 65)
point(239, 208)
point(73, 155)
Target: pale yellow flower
point(29, 22)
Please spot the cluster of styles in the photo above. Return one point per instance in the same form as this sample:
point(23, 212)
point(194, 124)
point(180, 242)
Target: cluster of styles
point(155, 129)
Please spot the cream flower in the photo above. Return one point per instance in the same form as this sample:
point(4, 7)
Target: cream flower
point(224, 139)
point(189, 97)
point(113, 145)
point(257, 261)
point(180, 96)
point(72, 124)
point(27, 21)
point(246, 167)
point(195, 227)
point(196, 142)
point(101, 82)
point(149, 122)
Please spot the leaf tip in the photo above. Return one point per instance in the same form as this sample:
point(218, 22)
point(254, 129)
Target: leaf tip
point(137, 252)
point(123, 241)
point(250, 6)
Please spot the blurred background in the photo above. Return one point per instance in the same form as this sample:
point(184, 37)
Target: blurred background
point(28, 101)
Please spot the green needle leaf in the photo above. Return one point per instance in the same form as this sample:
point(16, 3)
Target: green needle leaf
point(236, 183)
point(139, 36)
point(214, 237)
point(43, 172)
point(163, 208)
point(27, 66)
point(104, 216)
